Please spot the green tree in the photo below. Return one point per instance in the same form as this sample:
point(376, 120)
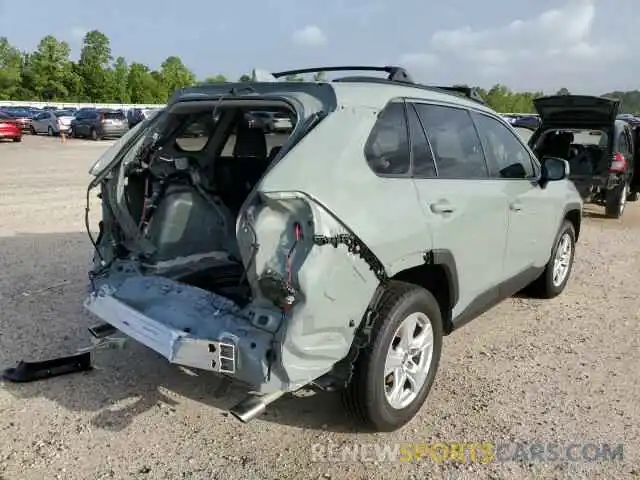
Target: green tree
point(94, 66)
point(563, 91)
point(121, 81)
point(10, 70)
point(244, 78)
point(215, 79)
point(294, 78)
point(319, 76)
point(49, 69)
point(143, 86)
point(175, 75)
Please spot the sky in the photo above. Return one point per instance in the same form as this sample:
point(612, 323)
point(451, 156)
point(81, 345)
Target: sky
point(587, 46)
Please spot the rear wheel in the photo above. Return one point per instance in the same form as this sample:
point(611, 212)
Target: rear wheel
point(616, 200)
point(50, 131)
point(633, 197)
point(394, 373)
point(94, 135)
point(17, 139)
point(32, 130)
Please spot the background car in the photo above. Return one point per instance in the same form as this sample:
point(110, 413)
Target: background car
point(52, 122)
point(135, 116)
point(9, 128)
point(587, 132)
point(526, 121)
point(273, 121)
point(21, 115)
point(98, 123)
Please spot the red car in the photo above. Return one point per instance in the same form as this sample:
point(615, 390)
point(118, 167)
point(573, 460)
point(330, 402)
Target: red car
point(9, 128)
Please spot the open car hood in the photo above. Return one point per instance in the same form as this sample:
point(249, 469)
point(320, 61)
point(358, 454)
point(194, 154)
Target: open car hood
point(576, 109)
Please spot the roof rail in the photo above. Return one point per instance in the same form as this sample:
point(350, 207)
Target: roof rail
point(469, 92)
point(396, 74)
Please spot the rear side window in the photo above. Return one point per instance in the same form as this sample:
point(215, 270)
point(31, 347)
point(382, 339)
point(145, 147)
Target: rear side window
point(504, 152)
point(387, 148)
point(421, 156)
point(112, 115)
point(454, 141)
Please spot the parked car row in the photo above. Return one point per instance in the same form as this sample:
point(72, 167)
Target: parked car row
point(93, 123)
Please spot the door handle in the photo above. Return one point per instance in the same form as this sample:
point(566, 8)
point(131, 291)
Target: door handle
point(515, 206)
point(442, 207)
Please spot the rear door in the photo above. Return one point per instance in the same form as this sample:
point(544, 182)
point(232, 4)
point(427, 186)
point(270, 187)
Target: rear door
point(533, 212)
point(624, 144)
point(464, 208)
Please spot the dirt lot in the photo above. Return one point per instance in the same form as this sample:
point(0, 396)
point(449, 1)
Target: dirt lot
point(564, 371)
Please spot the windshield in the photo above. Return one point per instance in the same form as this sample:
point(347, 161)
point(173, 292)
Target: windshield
point(19, 113)
point(64, 113)
point(5, 116)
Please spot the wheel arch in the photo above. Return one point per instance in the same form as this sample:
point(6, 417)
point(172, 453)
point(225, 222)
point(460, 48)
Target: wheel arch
point(438, 274)
point(574, 215)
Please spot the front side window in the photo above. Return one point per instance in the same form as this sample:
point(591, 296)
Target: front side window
point(387, 148)
point(507, 157)
point(454, 141)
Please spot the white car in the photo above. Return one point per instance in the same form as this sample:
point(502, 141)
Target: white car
point(273, 121)
point(52, 122)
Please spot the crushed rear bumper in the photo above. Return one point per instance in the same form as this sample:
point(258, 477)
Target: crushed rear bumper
point(187, 326)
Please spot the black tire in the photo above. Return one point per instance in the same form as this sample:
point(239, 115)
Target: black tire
point(364, 397)
point(633, 197)
point(94, 135)
point(17, 139)
point(615, 200)
point(50, 131)
point(544, 286)
point(32, 130)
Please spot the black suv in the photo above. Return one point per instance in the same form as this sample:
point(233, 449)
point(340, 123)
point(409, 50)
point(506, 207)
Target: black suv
point(99, 123)
point(601, 149)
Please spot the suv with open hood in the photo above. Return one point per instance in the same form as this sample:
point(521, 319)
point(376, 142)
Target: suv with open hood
point(335, 256)
point(600, 147)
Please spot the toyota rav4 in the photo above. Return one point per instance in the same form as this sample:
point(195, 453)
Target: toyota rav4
point(336, 256)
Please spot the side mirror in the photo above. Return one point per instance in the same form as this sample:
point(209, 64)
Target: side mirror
point(553, 170)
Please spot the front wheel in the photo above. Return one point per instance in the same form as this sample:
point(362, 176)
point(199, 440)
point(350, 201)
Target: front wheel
point(616, 200)
point(394, 373)
point(558, 269)
point(94, 135)
point(17, 139)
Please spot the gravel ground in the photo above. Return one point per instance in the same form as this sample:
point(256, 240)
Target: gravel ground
point(562, 371)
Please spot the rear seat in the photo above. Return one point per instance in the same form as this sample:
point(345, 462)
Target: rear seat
point(237, 175)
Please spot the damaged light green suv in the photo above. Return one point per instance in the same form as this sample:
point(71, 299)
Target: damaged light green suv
point(335, 256)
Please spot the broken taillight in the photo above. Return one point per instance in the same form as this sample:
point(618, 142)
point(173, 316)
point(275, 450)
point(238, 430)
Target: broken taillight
point(618, 164)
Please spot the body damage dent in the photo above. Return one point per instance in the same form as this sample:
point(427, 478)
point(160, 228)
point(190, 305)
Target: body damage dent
point(334, 284)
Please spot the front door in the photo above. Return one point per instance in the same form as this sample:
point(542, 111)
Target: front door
point(533, 216)
point(465, 210)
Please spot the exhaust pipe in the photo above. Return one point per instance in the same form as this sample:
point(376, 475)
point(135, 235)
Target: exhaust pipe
point(254, 405)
